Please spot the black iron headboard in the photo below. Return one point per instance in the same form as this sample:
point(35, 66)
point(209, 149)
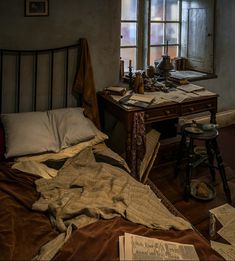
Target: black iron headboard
point(32, 80)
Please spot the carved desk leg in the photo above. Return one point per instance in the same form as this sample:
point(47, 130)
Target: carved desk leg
point(129, 131)
point(128, 148)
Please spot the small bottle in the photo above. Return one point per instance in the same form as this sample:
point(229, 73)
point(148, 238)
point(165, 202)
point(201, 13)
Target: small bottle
point(141, 86)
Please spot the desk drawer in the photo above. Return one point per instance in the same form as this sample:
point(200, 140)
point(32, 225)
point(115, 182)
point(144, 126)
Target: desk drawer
point(199, 107)
point(157, 114)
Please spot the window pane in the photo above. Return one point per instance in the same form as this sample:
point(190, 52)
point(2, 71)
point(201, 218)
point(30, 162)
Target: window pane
point(128, 32)
point(173, 51)
point(157, 10)
point(126, 55)
point(172, 10)
point(172, 33)
point(155, 54)
point(156, 36)
point(129, 9)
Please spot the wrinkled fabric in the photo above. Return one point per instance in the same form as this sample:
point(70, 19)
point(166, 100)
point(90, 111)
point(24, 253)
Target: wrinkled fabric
point(85, 191)
point(84, 84)
point(23, 231)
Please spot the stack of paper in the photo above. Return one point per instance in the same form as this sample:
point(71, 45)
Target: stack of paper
point(133, 247)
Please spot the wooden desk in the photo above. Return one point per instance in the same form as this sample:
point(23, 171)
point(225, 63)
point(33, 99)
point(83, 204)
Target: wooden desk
point(157, 113)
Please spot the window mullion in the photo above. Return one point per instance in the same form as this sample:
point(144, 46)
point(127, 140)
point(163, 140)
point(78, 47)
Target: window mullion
point(142, 34)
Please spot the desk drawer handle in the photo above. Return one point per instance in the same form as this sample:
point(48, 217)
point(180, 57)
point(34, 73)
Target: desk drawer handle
point(191, 109)
point(208, 105)
point(167, 112)
point(146, 115)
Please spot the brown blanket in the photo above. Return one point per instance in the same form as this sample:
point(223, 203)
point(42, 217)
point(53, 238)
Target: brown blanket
point(84, 84)
point(23, 231)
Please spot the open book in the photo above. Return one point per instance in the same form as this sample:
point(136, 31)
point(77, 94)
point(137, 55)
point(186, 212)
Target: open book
point(133, 247)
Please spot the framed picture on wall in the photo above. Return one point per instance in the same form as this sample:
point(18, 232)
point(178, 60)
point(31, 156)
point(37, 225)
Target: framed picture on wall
point(36, 7)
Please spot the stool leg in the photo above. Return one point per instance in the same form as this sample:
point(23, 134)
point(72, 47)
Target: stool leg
point(210, 159)
point(180, 154)
point(189, 169)
point(222, 170)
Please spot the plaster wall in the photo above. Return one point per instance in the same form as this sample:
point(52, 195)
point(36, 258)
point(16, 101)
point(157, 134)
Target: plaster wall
point(96, 20)
point(99, 22)
point(224, 84)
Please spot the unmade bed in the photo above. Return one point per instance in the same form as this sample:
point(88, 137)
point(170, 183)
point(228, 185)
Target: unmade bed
point(64, 195)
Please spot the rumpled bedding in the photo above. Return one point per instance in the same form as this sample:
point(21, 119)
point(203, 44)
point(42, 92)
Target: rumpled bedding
point(85, 191)
point(24, 231)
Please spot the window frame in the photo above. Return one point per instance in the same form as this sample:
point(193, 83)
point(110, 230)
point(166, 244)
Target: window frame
point(143, 33)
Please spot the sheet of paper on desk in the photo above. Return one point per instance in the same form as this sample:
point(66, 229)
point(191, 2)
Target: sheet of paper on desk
point(175, 96)
point(190, 87)
point(205, 93)
point(225, 250)
point(142, 97)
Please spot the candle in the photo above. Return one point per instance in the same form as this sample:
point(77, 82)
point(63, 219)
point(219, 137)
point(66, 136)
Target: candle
point(129, 63)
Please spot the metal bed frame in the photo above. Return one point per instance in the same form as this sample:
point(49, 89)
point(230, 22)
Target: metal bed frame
point(70, 54)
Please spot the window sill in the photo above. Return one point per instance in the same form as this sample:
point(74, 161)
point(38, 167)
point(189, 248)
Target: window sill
point(191, 76)
point(206, 77)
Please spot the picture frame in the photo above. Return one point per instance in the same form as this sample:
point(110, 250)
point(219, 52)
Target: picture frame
point(36, 7)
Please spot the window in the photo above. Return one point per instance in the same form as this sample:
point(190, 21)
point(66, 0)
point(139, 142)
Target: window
point(129, 25)
point(151, 28)
point(147, 26)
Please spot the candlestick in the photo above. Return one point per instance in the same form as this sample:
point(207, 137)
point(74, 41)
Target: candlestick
point(129, 63)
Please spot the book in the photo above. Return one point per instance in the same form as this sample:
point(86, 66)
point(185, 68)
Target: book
point(115, 90)
point(127, 100)
point(142, 98)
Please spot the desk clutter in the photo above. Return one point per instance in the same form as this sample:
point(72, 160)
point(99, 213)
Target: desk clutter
point(156, 85)
point(152, 98)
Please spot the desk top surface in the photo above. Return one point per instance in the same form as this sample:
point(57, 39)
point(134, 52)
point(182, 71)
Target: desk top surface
point(160, 99)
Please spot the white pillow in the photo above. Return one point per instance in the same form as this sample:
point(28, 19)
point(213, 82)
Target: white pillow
point(28, 133)
point(70, 126)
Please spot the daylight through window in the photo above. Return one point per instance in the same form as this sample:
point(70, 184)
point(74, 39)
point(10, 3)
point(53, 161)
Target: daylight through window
point(147, 26)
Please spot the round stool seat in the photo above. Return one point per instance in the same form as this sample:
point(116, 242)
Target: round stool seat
point(196, 131)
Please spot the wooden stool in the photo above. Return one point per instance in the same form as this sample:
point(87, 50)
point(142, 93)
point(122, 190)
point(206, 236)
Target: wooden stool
point(190, 133)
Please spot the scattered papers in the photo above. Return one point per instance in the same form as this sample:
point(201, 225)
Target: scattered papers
point(226, 216)
point(133, 247)
point(176, 96)
point(205, 93)
point(190, 87)
point(225, 250)
point(142, 97)
point(228, 231)
point(224, 213)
